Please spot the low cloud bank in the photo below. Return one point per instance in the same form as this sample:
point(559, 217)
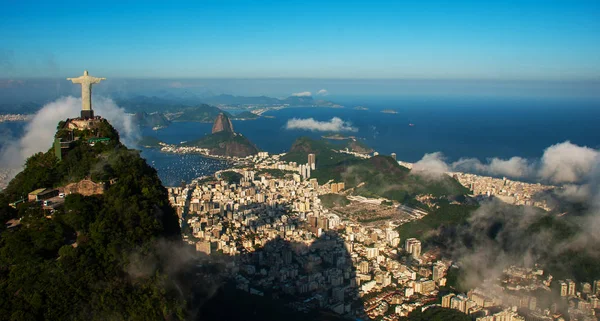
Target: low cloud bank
point(431, 165)
point(39, 132)
point(322, 92)
point(563, 163)
point(334, 125)
point(302, 94)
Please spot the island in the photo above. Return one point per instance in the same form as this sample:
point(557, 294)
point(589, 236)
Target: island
point(245, 115)
point(361, 108)
point(389, 111)
point(338, 137)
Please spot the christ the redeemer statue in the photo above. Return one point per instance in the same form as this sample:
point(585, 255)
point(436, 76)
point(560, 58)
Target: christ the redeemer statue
point(86, 82)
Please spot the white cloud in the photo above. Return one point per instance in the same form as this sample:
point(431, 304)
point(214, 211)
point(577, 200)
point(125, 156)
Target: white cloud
point(334, 125)
point(514, 167)
point(575, 193)
point(322, 92)
point(39, 132)
point(567, 163)
point(431, 165)
point(302, 94)
point(563, 163)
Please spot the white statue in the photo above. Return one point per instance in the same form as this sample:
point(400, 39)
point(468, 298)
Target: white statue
point(86, 82)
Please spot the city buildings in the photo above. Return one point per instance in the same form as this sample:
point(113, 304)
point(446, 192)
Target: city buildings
point(282, 241)
point(312, 161)
point(413, 246)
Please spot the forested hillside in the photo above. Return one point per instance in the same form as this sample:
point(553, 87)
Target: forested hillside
point(81, 261)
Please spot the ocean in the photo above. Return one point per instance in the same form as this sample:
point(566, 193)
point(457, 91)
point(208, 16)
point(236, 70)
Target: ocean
point(479, 128)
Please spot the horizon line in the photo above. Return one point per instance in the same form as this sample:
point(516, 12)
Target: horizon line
point(512, 80)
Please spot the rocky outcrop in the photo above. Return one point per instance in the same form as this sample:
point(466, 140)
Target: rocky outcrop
point(224, 141)
point(238, 146)
point(225, 144)
point(222, 124)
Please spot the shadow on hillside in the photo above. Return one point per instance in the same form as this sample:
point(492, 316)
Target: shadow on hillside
point(281, 280)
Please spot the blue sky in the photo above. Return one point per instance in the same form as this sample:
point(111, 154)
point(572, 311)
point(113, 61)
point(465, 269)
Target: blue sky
point(508, 40)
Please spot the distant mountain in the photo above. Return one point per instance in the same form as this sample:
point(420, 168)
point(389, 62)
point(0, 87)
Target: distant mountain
point(241, 100)
point(292, 101)
point(160, 101)
point(201, 113)
point(223, 141)
point(170, 103)
point(150, 104)
point(377, 176)
point(151, 120)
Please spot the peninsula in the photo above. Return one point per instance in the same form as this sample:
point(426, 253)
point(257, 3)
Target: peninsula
point(223, 141)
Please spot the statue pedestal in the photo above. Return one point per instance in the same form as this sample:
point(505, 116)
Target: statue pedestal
point(87, 114)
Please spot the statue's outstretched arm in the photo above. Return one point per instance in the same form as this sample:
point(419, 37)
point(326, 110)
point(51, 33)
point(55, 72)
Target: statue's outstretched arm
point(97, 80)
point(75, 80)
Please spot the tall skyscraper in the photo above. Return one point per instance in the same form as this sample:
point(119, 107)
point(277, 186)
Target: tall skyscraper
point(446, 300)
point(312, 161)
point(571, 285)
point(413, 246)
point(564, 289)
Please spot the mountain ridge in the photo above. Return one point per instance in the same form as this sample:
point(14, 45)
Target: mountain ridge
point(73, 260)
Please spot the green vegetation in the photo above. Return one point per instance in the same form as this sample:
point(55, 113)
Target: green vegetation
point(572, 262)
point(387, 203)
point(151, 120)
point(231, 177)
point(84, 262)
point(445, 215)
point(383, 176)
point(253, 307)
point(83, 160)
point(358, 147)
point(225, 144)
point(334, 200)
point(275, 173)
point(324, 151)
point(378, 176)
point(515, 231)
point(245, 115)
point(150, 142)
point(436, 314)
